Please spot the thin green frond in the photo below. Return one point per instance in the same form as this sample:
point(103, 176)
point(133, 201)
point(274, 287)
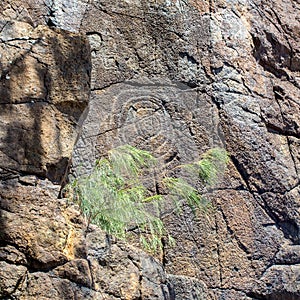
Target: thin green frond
point(213, 165)
point(114, 198)
point(171, 241)
point(155, 198)
point(129, 161)
point(182, 189)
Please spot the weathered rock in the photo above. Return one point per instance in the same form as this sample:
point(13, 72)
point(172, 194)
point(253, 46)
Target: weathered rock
point(77, 271)
point(43, 255)
point(11, 276)
point(41, 285)
point(68, 15)
point(34, 12)
point(123, 271)
point(279, 282)
point(39, 226)
point(46, 256)
point(12, 255)
point(288, 255)
point(146, 38)
point(187, 288)
point(233, 64)
point(152, 114)
point(175, 78)
point(250, 121)
point(44, 90)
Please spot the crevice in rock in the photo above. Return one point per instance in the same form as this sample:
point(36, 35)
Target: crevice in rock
point(30, 101)
point(140, 287)
point(231, 232)
point(188, 57)
point(211, 7)
point(172, 158)
point(247, 110)
point(92, 274)
point(288, 227)
point(2, 28)
point(242, 172)
point(257, 53)
point(272, 128)
point(218, 104)
point(111, 13)
point(51, 15)
point(277, 25)
point(281, 29)
point(18, 59)
point(20, 282)
point(256, 296)
point(280, 295)
point(23, 39)
point(164, 260)
point(106, 86)
point(293, 158)
point(90, 33)
point(34, 266)
point(8, 174)
point(87, 6)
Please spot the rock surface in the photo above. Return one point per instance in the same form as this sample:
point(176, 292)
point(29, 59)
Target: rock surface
point(45, 249)
point(44, 91)
point(173, 77)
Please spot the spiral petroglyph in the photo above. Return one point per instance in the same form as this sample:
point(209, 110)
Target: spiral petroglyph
point(154, 115)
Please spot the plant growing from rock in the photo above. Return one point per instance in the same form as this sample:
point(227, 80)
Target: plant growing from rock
point(114, 197)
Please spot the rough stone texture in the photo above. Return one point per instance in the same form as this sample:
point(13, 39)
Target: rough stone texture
point(11, 276)
point(44, 90)
point(67, 14)
point(174, 77)
point(34, 12)
point(279, 282)
point(196, 74)
point(45, 249)
point(64, 14)
point(46, 254)
point(56, 245)
point(187, 288)
point(150, 114)
point(124, 272)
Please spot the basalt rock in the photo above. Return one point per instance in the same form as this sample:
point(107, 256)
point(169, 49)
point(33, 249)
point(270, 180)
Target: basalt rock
point(44, 91)
point(175, 78)
point(46, 249)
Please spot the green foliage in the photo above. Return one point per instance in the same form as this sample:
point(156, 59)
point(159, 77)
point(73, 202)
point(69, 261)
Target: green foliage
point(114, 198)
point(210, 167)
point(181, 190)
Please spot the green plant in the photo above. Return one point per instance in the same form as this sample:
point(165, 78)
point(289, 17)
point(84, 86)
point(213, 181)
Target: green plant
point(114, 197)
point(208, 169)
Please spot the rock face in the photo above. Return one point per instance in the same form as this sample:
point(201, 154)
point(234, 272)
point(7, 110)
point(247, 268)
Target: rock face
point(44, 92)
point(173, 77)
point(45, 249)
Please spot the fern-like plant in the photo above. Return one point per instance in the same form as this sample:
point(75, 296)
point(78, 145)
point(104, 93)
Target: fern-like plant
point(114, 198)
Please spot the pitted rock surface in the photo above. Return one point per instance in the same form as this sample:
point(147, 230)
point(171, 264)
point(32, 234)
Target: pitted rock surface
point(176, 78)
point(44, 91)
point(164, 117)
point(46, 251)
